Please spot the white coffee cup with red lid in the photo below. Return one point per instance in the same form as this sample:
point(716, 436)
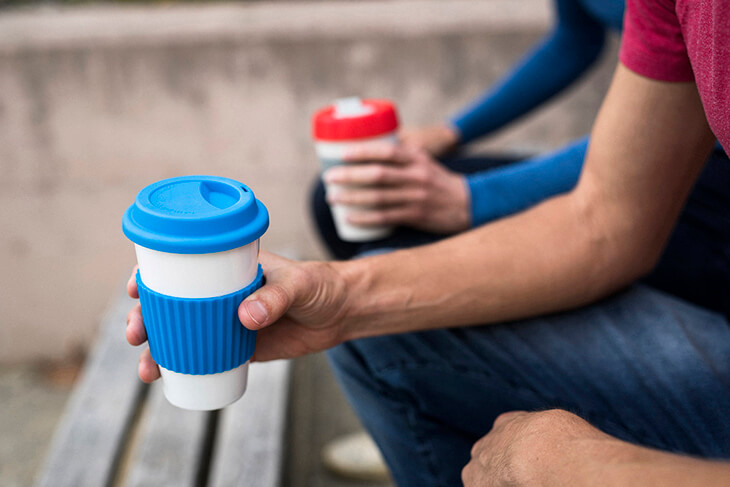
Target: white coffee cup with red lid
point(352, 123)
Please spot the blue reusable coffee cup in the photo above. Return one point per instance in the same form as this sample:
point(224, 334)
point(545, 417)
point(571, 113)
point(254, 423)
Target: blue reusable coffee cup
point(197, 244)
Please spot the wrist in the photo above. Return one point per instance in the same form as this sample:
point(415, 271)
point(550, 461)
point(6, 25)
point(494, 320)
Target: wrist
point(459, 202)
point(356, 277)
point(453, 132)
point(376, 302)
point(466, 201)
point(450, 135)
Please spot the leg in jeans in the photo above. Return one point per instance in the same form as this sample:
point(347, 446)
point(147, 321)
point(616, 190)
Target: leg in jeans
point(643, 366)
point(603, 364)
point(695, 264)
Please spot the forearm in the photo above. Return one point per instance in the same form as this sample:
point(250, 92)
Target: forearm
point(565, 252)
point(507, 190)
point(647, 147)
point(516, 267)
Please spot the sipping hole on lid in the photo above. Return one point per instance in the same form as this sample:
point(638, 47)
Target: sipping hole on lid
point(351, 106)
point(218, 194)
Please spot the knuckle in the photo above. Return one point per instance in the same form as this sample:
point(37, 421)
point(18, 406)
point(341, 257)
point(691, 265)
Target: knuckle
point(465, 474)
point(379, 174)
point(505, 416)
point(302, 278)
point(417, 214)
point(420, 195)
point(348, 198)
point(342, 198)
point(475, 448)
point(545, 420)
point(278, 295)
point(421, 176)
point(358, 198)
point(390, 152)
point(377, 218)
point(411, 152)
point(553, 417)
point(550, 415)
point(377, 198)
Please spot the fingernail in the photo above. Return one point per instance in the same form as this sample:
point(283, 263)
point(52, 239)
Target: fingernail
point(256, 311)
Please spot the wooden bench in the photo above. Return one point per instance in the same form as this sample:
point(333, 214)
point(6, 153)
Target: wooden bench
point(118, 431)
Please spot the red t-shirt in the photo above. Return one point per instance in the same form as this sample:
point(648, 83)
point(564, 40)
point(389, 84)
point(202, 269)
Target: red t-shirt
point(683, 40)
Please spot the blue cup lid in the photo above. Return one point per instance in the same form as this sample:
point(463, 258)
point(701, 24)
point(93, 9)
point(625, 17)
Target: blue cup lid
point(195, 215)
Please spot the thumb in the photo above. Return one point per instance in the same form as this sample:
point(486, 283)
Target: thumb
point(271, 262)
point(266, 305)
point(270, 302)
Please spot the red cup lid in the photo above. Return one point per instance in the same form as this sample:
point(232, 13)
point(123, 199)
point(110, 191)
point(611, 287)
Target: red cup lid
point(352, 118)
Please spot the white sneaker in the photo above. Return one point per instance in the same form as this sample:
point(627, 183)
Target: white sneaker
point(355, 456)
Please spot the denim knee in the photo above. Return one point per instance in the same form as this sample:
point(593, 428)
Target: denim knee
point(348, 365)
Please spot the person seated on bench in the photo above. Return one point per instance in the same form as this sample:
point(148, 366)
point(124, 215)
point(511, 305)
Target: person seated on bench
point(643, 373)
point(433, 198)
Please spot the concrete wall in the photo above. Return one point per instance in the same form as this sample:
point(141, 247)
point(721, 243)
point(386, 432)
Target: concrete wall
point(97, 102)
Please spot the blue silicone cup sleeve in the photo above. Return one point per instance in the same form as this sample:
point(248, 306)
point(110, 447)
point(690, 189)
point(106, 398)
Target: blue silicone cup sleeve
point(197, 336)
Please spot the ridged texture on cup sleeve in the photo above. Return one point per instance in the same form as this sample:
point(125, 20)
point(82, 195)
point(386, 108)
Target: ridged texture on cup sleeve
point(200, 335)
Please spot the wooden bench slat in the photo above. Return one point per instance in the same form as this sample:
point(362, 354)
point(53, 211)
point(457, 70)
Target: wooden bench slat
point(170, 444)
point(87, 442)
point(250, 443)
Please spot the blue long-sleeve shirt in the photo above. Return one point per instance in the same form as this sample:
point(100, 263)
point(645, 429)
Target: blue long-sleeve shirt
point(559, 59)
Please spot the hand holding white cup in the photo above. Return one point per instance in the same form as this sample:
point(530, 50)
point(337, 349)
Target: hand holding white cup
point(352, 123)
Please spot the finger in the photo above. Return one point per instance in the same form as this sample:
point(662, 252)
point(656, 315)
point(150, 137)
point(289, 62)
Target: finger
point(136, 333)
point(478, 445)
point(467, 474)
point(386, 152)
point(385, 216)
point(408, 137)
point(375, 197)
point(148, 369)
point(366, 174)
point(269, 303)
point(275, 342)
point(132, 284)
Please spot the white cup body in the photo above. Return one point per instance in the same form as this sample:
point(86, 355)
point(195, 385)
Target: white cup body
point(200, 276)
point(331, 154)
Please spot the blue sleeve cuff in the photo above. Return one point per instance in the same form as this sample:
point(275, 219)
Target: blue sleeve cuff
point(558, 60)
point(507, 190)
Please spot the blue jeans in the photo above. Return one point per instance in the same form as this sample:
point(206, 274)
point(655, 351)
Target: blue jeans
point(643, 366)
point(650, 365)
